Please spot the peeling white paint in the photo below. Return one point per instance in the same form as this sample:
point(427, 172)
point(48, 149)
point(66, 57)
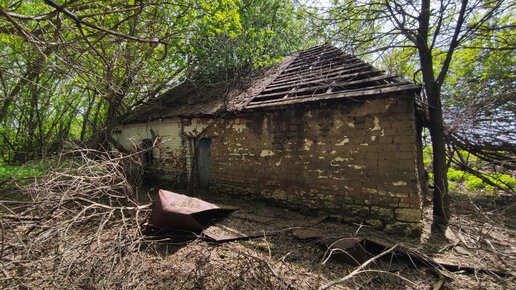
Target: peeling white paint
point(370, 190)
point(265, 124)
point(351, 124)
point(355, 166)
point(338, 124)
point(391, 101)
point(399, 183)
point(279, 162)
point(373, 138)
point(343, 142)
point(308, 144)
point(266, 153)
point(238, 127)
point(340, 159)
point(333, 152)
point(319, 172)
point(376, 124)
point(364, 144)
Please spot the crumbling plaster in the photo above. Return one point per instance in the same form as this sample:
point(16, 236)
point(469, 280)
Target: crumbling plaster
point(354, 160)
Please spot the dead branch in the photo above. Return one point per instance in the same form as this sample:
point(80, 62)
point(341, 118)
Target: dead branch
point(359, 269)
point(77, 222)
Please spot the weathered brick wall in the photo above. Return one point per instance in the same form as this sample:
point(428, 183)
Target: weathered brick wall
point(356, 161)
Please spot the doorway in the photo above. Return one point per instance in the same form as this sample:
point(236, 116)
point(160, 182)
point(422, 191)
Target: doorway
point(203, 162)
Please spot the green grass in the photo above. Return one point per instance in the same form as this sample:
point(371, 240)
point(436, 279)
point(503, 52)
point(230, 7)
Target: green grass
point(33, 168)
point(471, 182)
point(474, 183)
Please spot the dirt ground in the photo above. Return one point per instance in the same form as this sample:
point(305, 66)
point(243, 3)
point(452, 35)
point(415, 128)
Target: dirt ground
point(480, 236)
point(110, 252)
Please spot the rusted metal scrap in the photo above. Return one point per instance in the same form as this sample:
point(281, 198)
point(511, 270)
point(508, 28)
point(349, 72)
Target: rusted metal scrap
point(354, 251)
point(357, 251)
point(174, 211)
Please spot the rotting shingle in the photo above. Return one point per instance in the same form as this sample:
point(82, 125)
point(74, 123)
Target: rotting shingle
point(316, 74)
point(325, 72)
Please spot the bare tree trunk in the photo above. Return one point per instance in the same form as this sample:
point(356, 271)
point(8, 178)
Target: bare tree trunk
point(440, 168)
point(441, 196)
point(86, 116)
point(433, 93)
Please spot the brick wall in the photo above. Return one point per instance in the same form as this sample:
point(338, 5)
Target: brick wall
point(353, 160)
point(356, 161)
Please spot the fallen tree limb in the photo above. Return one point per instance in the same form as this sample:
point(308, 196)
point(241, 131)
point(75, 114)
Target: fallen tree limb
point(77, 223)
point(359, 269)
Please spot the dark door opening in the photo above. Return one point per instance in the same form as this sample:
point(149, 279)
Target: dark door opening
point(203, 162)
point(147, 156)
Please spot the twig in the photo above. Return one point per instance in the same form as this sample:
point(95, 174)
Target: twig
point(359, 269)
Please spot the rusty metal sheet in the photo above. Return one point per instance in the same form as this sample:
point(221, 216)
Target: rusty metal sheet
point(180, 212)
point(354, 251)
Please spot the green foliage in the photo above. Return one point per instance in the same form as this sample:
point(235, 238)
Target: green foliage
point(482, 72)
point(244, 34)
point(473, 183)
point(61, 80)
point(8, 171)
point(35, 168)
point(470, 182)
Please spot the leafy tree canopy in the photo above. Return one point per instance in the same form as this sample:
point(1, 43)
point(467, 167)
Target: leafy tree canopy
point(69, 69)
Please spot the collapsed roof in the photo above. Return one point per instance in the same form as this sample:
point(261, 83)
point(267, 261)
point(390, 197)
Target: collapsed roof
point(316, 74)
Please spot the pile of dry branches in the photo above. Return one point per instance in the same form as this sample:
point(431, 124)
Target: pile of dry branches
point(79, 226)
point(73, 226)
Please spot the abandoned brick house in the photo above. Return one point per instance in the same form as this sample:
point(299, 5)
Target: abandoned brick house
point(322, 131)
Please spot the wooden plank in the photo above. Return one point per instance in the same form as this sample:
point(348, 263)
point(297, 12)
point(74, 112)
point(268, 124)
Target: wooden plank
point(324, 57)
point(320, 78)
point(322, 81)
point(317, 63)
point(324, 86)
point(241, 101)
point(329, 71)
point(361, 94)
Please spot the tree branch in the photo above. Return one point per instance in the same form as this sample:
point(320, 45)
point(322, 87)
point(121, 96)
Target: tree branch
point(357, 270)
point(453, 44)
point(77, 19)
